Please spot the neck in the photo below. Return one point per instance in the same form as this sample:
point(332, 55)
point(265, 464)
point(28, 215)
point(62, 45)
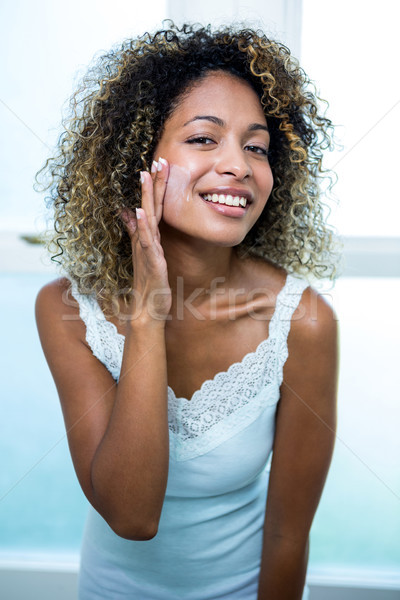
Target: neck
point(197, 270)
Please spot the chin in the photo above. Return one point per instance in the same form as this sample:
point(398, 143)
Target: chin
point(223, 237)
point(231, 242)
point(223, 241)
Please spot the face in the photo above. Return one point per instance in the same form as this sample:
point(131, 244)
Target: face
point(216, 142)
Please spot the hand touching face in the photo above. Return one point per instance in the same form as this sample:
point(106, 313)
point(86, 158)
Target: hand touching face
point(151, 291)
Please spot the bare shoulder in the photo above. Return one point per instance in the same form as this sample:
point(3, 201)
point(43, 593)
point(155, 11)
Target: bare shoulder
point(57, 313)
point(314, 321)
point(78, 374)
point(53, 294)
point(314, 316)
point(311, 370)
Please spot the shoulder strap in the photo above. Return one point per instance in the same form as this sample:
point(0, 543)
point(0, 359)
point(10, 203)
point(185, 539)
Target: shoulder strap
point(89, 309)
point(101, 335)
point(287, 301)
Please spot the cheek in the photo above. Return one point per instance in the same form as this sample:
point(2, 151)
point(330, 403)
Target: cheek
point(269, 181)
point(178, 191)
point(178, 184)
point(268, 184)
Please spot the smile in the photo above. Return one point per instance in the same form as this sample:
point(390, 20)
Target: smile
point(225, 199)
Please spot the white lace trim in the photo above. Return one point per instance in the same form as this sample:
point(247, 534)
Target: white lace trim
point(224, 405)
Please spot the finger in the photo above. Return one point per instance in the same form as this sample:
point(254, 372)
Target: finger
point(146, 238)
point(129, 219)
point(160, 184)
point(148, 200)
point(153, 170)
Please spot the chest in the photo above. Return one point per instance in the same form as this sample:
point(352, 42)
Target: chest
point(198, 354)
point(227, 457)
point(199, 350)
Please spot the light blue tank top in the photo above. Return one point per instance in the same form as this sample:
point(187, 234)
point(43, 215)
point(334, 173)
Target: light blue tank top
point(209, 541)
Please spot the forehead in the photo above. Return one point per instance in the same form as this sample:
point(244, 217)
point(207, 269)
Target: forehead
point(219, 94)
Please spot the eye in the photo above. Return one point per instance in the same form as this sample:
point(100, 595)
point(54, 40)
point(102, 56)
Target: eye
point(201, 139)
point(258, 150)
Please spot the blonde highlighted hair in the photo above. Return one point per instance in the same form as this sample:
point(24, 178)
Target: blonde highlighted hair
point(117, 117)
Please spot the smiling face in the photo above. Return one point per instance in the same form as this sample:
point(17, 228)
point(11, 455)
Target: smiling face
point(216, 142)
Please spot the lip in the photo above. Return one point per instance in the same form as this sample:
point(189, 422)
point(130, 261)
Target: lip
point(230, 191)
point(225, 209)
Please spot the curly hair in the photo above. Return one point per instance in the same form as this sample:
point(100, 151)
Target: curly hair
point(117, 119)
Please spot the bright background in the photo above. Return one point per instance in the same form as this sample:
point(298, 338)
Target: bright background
point(349, 49)
point(48, 46)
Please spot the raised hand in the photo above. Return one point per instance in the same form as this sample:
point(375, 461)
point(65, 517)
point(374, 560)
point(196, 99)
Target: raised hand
point(151, 291)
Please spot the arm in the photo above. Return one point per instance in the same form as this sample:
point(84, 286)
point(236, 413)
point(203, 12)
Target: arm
point(118, 434)
point(303, 447)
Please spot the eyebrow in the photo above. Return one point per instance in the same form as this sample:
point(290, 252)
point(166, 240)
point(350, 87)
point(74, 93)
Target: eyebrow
point(221, 123)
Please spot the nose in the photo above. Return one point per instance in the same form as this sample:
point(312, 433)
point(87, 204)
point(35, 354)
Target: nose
point(232, 160)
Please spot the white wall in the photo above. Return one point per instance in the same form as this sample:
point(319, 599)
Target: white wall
point(280, 18)
point(46, 43)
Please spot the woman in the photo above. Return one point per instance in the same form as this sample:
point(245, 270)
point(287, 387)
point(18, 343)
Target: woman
point(187, 216)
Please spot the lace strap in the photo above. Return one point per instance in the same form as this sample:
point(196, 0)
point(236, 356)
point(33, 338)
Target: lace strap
point(89, 309)
point(287, 302)
point(95, 321)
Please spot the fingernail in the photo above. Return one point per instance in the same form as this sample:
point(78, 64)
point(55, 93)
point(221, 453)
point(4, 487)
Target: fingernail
point(161, 162)
point(141, 177)
point(137, 213)
point(154, 166)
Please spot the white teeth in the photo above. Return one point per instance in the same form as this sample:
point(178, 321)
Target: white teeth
point(226, 199)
